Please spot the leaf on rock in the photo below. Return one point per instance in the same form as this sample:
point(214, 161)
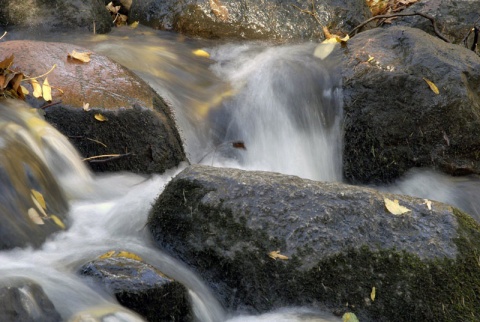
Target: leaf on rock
point(39, 197)
point(394, 207)
point(99, 117)
point(276, 255)
point(35, 217)
point(349, 317)
point(47, 90)
point(126, 254)
point(86, 107)
point(201, 53)
point(432, 86)
point(37, 89)
point(113, 9)
point(24, 90)
point(83, 57)
point(7, 62)
point(370, 58)
point(428, 203)
point(134, 24)
point(57, 221)
point(107, 254)
point(373, 293)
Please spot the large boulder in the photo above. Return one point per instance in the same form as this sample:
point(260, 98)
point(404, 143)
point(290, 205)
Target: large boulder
point(55, 15)
point(394, 120)
point(265, 240)
point(127, 119)
point(272, 19)
point(140, 286)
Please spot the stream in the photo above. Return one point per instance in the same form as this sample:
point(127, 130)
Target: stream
point(283, 103)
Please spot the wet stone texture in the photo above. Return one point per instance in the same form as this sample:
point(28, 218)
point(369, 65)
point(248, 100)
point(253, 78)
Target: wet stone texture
point(138, 125)
point(272, 19)
point(141, 288)
point(340, 241)
point(393, 120)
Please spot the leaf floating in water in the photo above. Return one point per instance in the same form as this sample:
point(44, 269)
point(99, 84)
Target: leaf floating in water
point(239, 145)
point(83, 57)
point(349, 317)
point(428, 203)
point(276, 255)
point(373, 293)
point(47, 90)
point(39, 197)
point(99, 117)
point(432, 86)
point(201, 53)
point(134, 24)
point(57, 221)
point(394, 207)
point(35, 217)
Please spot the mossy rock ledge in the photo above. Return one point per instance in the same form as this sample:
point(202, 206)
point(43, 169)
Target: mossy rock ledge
point(340, 241)
point(126, 117)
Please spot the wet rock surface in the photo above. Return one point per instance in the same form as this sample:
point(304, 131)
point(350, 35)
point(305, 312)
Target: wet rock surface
point(394, 121)
point(24, 300)
point(141, 288)
point(268, 20)
point(138, 125)
point(55, 15)
point(340, 241)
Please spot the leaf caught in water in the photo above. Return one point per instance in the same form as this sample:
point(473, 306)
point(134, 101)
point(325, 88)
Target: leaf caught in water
point(83, 57)
point(99, 117)
point(349, 317)
point(134, 24)
point(239, 145)
point(373, 293)
point(86, 107)
point(57, 221)
point(35, 217)
point(394, 207)
point(39, 197)
point(276, 255)
point(47, 90)
point(201, 53)
point(432, 86)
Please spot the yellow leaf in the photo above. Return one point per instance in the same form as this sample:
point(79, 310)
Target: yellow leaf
point(37, 89)
point(84, 57)
point(134, 24)
point(24, 90)
point(428, 203)
point(34, 216)
point(349, 317)
point(201, 53)
point(276, 255)
point(370, 58)
point(99, 117)
point(57, 221)
point(126, 254)
point(39, 197)
point(432, 86)
point(107, 254)
point(86, 106)
point(325, 48)
point(394, 207)
point(373, 293)
point(47, 90)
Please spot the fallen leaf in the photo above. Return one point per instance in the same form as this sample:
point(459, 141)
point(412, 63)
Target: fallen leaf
point(370, 58)
point(107, 254)
point(37, 89)
point(4, 64)
point(39, 197)
point(24, 90)
point(324, 49)
point(428, 203)
point(112, 8)
point(35, 217)
point(16, 81)
point(57, 221)
point(394, 207)
point(349, 317)
point(134, 24)
point(39, 207)
point(86, 107)
point(99, 117)
point(239, 145)
point(432, 86)
point(83, 57)
point(201, 53)
point(126, 254)
point(373, 293)
point(276, 255)
point(47, 90)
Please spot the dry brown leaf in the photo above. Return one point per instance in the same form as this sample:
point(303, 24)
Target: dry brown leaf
point(47, 90)
point(99, 117)
point(239, 145)
point(83, 57)
point(35, 217)
point(394, 207)
point(432, 86)
point(112, 8)
point(276, 255)
point(219, 10)
point(7, 62)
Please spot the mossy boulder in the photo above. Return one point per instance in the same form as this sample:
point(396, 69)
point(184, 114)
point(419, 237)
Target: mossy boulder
point(272, 19)
point(140, 287)
point(340, 240)
point(135, 121)
point(393, 120)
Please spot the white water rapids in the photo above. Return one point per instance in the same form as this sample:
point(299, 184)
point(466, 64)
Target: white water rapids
point(282, 102)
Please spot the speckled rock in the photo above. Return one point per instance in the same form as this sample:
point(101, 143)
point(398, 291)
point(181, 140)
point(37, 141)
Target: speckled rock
point(340, 241)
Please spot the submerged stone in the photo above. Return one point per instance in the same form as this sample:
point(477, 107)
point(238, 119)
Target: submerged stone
point(266, 240)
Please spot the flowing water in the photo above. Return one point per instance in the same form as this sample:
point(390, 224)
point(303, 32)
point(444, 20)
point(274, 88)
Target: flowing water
point(280, 101)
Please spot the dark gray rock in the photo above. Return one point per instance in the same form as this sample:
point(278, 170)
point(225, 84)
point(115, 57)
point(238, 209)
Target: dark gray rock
point(23, 300)
point(55, 15)
point(394, 121)
point(141, 288)
point(340, 240)
point(272, 19)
